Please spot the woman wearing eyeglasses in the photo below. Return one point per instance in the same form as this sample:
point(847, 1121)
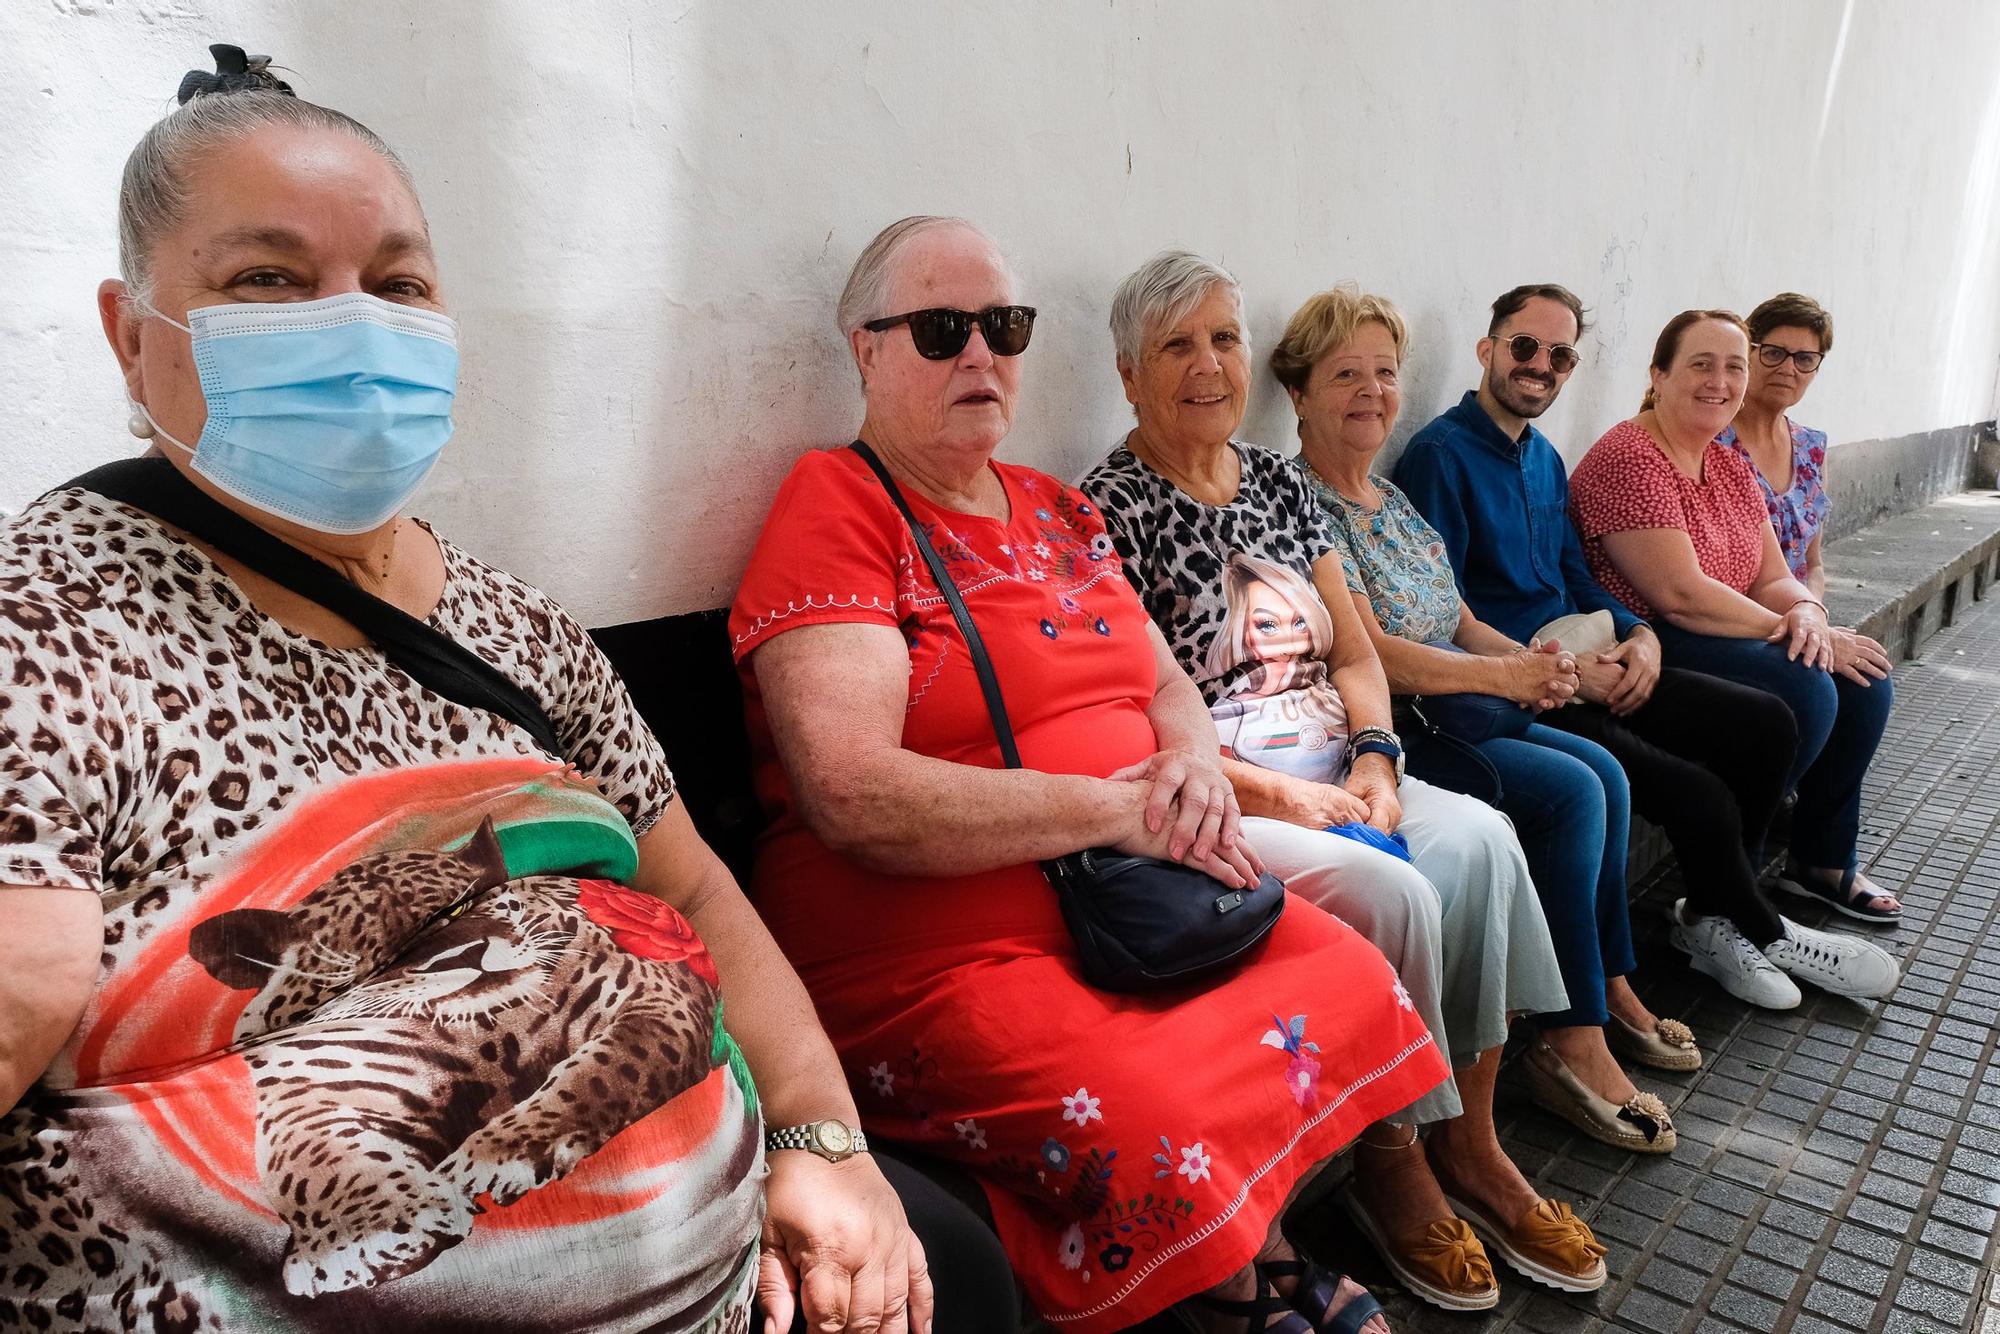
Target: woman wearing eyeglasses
point(1137, 1150)
point(1790, 335)
point(1675, 526)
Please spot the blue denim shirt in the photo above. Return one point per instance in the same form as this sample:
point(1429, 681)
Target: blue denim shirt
point(1502, 508)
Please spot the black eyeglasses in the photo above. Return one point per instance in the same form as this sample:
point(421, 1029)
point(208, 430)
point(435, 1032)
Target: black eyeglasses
point(1773, 355)
point(1562, 356)
point(942, 332)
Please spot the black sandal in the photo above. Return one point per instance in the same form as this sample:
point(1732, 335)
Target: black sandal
point(1846, 899)
point(1255, 1312)
point(1317, 1293)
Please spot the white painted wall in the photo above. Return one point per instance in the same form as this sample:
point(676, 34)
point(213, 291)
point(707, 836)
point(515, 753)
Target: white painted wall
point(645, 211)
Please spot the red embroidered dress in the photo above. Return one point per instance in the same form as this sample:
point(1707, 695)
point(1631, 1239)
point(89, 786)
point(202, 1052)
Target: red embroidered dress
point(1134, 1148)
point(1625, 483)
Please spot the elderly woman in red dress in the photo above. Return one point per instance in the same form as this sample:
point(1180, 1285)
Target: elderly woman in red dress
point(1137, 1150)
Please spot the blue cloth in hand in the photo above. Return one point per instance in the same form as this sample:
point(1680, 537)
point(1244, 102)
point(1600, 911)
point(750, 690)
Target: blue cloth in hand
point(1393, 844)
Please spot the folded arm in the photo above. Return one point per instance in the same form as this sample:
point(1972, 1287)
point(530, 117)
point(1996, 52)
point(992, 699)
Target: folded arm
point(836, 695)
point(1661, 564)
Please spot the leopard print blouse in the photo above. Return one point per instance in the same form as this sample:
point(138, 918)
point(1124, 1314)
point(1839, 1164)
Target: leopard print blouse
point(354, 1061)
point(152, 720)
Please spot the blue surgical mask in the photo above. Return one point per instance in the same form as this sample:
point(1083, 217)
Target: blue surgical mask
point(325, 413)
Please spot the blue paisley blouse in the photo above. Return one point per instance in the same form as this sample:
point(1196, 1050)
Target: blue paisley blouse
point(1394, 559)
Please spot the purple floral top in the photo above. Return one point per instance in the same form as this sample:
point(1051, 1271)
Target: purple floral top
point(1797, 515)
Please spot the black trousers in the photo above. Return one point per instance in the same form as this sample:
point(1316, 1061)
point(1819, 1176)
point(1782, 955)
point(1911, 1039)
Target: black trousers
point(969, 1272)
point(1707, 759)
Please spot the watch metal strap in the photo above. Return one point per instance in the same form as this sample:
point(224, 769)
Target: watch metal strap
point(801, 1137)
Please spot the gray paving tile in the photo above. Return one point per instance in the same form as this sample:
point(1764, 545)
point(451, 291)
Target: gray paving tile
point(1839, 1164)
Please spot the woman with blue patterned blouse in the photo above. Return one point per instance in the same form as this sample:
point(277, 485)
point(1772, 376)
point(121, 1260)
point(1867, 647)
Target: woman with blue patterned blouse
point(1568, 797)
point(1790, 336)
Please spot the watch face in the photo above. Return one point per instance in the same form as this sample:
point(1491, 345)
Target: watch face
point(833, 1137)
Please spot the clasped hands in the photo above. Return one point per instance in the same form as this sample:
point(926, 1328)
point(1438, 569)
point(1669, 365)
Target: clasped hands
point(1807, 637)
point(1621, 678)
point(1191, 816)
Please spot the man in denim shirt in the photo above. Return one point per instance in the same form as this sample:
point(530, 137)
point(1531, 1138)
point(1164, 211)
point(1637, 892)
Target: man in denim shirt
point(1707, 758)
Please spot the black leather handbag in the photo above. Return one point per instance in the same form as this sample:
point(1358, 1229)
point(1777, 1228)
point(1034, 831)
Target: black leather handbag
point(1139, 923)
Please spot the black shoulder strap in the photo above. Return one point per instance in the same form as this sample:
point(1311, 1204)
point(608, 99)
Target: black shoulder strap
point(431, 657)
point(989, 684)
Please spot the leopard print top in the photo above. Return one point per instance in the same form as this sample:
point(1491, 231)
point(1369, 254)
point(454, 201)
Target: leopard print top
point(151, 717)
point(350, 1058)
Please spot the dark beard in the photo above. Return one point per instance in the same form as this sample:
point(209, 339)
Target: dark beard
point(1502, 388)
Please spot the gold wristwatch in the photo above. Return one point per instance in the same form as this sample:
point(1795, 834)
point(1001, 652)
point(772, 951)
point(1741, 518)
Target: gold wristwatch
point(832, 1140)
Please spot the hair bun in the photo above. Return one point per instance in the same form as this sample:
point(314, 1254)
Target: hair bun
point(235, 72)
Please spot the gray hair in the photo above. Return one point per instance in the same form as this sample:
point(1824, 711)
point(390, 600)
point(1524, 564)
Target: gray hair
point(866, 295)
point(153, 197)
point(1161, 291)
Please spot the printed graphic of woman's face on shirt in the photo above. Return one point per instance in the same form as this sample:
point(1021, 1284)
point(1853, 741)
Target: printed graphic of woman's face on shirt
point(1275, 628)
point(1275, 624)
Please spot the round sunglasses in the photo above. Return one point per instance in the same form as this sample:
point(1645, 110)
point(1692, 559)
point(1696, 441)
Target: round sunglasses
point(1562, 356)
point(941, 333)
point(1773, 355)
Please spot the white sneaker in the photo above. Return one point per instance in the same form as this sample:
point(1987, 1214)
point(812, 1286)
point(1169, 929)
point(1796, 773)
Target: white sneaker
point(1843, 964)
point(1715, 946)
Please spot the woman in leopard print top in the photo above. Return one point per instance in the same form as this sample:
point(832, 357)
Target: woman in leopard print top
point(327, 1002)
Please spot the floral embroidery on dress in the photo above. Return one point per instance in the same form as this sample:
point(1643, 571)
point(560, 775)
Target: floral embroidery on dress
point(914, 1072)
point(969, 1131)
point(1070, 1248)
point(1081, 1108)
point(1302, 1071)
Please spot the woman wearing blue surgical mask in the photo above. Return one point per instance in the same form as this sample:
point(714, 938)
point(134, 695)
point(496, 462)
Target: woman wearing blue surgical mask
point(327, 999)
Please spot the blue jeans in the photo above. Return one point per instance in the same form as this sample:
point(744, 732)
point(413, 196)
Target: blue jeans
point(1572, 811)
point(1840, 725)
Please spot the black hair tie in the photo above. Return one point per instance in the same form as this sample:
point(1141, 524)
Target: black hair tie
point(235, 72)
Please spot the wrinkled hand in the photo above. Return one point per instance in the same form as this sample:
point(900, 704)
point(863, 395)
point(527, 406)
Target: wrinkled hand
point(1317, 805)
point(1373, 779)
point(1806, 636)
point(1238, 867)
point(1639, 655)
point(1859, 658)
point(1542, 676)
point(1193, 789)
point(836, 1243)
point(1597, 677)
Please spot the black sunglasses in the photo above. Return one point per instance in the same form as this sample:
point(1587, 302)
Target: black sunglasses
point(1562, 356)
point(1773, 355)
point(942, 332)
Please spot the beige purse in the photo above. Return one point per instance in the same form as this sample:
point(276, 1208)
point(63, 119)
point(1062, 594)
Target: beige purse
point(1582, 632)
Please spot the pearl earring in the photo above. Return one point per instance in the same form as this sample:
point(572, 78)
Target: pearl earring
point(139, 423)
